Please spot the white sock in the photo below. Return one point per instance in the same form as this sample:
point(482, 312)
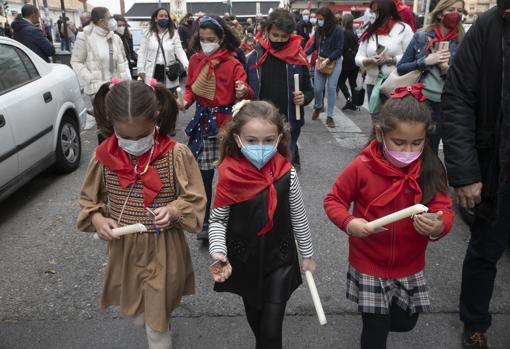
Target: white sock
point(139, 320)
point(158, 340)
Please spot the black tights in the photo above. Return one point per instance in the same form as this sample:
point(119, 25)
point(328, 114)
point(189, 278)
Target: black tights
point(376, 327)
point(207, 177)
point(266, 324)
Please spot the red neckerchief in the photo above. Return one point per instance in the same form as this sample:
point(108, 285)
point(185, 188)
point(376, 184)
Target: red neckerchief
point(220, 55)
point(400, 6)
point(414, 89)
point(292, 53)
point(382, 30)
point(377, 163)
point(240, 181)
point(115, 159)
point(451, 35)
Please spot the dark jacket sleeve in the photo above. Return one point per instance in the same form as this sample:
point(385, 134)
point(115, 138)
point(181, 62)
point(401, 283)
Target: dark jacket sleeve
point(306, 86)
point(410, 60)
point(337, 45)
point(39, 40)
point(459, 101)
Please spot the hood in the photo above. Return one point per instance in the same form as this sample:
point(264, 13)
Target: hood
point(20, 23)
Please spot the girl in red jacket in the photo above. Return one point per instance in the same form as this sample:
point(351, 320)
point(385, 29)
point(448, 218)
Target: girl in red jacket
point(216, 79)
point(396, 170)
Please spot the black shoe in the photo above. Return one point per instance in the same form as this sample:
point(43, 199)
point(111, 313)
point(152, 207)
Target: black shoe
point(297, 167)
point(349, 106)
point(474, 340)
point(203, 236)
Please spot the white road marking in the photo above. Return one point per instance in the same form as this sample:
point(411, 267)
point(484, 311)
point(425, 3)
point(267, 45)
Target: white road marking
point(90, 123)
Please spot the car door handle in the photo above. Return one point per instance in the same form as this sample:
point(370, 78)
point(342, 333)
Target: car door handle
point(2, 121)
point(47, 97)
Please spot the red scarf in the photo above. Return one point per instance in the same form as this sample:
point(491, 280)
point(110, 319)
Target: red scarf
point(115, 159)
point(402, 177)
point(400, 6)
point(292, 53)
point(451, 35)
point(240, 181)
point(218, 56)
point(382, 30)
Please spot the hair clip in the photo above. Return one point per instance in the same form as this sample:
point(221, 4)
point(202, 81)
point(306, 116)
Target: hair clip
point(238, 106)
point(115, 81)
point(414, 90)
point(153, 83)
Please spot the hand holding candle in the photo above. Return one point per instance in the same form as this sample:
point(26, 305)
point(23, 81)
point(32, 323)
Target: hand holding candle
point(296, 90)
point(180, 99)
point(397, 216)
point(128, 229)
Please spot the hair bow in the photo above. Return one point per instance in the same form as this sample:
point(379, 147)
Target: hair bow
point(414, 90)
point(238, 106)
point(115, 81)
point(152, 83)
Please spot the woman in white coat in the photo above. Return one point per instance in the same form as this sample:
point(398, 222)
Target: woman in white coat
point(383, 43)
point(160, 48)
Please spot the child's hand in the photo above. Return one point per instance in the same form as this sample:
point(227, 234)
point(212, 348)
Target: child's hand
point(165, 216)
point(358, 227)
point(241, 89)
point(223, 271)
point(308, 265)
point(299, 98)
point(432, 227)
point(104, 227)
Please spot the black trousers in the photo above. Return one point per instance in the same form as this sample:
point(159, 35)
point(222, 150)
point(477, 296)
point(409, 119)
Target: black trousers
point(266, 324)
point(345, 75)
point(486, 246)
point(376, 327)
point(207, 178)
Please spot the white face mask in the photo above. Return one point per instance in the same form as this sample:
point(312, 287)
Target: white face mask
point(121, 30)
point(209, 47)
point(138, 147)
point(372, 17)
point(112, 24)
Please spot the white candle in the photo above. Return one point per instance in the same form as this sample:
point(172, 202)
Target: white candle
point(396, 216)
point(296, 89)
point(128, 229)
point(179, 96)
point(315, 297)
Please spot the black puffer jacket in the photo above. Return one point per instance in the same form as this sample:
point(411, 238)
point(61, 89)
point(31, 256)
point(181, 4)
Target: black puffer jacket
point(472, 111)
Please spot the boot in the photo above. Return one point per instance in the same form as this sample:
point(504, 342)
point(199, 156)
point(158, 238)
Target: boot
point(349, 105)
point(329, 122)
point(316, 113)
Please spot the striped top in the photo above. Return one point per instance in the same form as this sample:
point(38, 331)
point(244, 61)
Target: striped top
point(218, 222)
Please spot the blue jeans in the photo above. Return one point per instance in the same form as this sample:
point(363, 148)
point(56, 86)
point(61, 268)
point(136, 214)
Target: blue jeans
point(294, 150)
point(320, 85)
point(370, 88)
point(65, 44)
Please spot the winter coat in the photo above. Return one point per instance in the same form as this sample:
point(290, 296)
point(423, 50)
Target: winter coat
point(148, 54)
point(377, 189)
point(471, 104)
point(33, 38)
point(87, 64)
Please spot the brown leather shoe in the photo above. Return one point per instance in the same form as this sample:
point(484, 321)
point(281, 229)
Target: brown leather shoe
point(316, 113)
point(329, 122)
point(474, 340)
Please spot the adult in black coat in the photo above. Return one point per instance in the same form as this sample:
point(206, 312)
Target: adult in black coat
point(31, 36)
point(304, 27)
point(476, 106)
point(185, 32)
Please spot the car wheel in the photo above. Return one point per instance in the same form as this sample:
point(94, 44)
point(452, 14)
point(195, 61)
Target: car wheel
point(68, 150)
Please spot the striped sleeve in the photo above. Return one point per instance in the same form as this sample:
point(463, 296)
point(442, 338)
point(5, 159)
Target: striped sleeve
point(218, 221)
point(298, 217)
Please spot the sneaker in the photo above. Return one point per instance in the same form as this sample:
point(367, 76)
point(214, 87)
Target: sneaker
point(329, 122)
point(203, 235)
point(349, 106)
point(316, 113)
point(474, 340)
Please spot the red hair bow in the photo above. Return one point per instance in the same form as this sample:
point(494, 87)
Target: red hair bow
point(415, 90)
point(115, 81)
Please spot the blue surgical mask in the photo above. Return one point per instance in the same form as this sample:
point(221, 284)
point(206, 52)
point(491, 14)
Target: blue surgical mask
point(313, 20)
point(138, 147)
point(163, 23)
point(320, 22)
point(259, 155)
point(306, 18)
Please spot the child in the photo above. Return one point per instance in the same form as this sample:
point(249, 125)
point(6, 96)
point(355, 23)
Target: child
point(136, 167)
point(216, 79)
point(258, 212)
point(396, 170)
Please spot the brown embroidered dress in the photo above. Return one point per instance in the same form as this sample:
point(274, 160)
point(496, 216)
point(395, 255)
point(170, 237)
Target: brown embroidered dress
point(147, 273)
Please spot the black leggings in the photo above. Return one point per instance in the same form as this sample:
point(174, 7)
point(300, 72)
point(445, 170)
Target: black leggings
point(376, 327)
point(207, 177)
point(351, 75)
point(266, 324)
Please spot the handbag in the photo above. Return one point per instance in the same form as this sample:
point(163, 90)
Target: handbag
point(326, 69)
point(358, 94)
point(173, 70)
point(395, 80)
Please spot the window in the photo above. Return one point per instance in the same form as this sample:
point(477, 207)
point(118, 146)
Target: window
point(16, 68)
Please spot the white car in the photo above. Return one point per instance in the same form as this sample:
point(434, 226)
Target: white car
point(41, 116)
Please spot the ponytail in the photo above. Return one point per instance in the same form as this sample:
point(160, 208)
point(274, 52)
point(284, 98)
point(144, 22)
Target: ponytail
point(168, 110)
point(104, 124)
point(432, 176)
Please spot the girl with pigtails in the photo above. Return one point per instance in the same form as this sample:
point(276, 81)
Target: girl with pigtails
point(137, 169)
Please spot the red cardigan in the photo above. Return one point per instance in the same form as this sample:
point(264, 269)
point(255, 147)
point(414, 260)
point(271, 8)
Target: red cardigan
point(227, 72)
point(378, 188)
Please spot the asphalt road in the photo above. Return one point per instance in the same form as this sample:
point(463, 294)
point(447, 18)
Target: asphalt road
point(51, 274)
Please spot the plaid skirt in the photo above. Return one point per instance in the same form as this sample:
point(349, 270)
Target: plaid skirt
point(209, 154)
point(375, 295)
